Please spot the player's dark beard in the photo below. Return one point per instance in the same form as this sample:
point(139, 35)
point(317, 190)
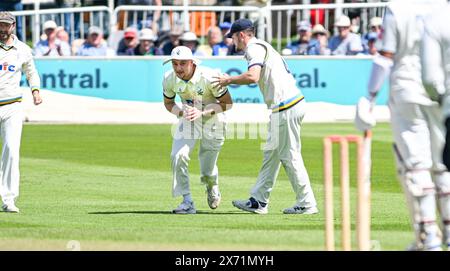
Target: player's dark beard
point(4, 36)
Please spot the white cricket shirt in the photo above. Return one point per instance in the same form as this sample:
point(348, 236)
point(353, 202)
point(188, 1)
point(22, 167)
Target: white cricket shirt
point(276, 82)
point(14, 60)
point(403, 28)
point(198, 89)
point(436, 53)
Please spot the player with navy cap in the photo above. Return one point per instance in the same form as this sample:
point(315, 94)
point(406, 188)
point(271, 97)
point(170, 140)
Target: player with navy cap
point(267, 68)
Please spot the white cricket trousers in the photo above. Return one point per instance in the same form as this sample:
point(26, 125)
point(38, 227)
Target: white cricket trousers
point(419, 135)
point(211, 135)
point(283, 146)
point(11, 117)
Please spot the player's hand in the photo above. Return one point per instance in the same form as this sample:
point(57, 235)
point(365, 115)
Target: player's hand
point(37, 98)
point(192, 113)
point(221, 80)
point(364, 119)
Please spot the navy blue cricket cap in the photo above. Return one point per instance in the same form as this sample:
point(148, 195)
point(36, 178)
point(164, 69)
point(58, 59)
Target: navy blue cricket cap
point(239, 25)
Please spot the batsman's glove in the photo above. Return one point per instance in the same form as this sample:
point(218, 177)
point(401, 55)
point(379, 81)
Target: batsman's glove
point(364, 118)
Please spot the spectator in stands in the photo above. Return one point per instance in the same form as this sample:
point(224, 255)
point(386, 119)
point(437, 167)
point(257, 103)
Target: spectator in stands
point(214, 37)
point(62, 35)
point(189, 39)
point(370, 46)
point(374, 27)
point(354, 15)
point(128, 42)
point(345, 43)
point(225, 27)
point(300, 46)
point(71, 17)
point(146, 45)
point(151, 19)
point(354, 27)
point(231, 51)
point(318, 44)
point(94, 45)
point(50, 45)
point(174, 37)
point(222, 48)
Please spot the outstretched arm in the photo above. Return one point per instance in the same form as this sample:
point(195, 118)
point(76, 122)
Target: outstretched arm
point(249, 77)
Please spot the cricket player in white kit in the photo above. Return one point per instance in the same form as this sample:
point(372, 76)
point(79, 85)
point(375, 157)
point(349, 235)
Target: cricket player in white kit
point(416, 119)
point(267, 68)
point(201, 118)
point(15, 58)
point(435, 57)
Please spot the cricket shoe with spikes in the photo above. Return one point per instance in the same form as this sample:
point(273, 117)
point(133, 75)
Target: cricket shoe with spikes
point(186, 207)
point(10, 208)
point(213, 196)
point(251, 205)
point(301, 210)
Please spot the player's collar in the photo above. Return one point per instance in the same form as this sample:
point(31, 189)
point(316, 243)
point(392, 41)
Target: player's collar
point(194, 79)
point(9, 47)
point(252, 40)
point(196, 76)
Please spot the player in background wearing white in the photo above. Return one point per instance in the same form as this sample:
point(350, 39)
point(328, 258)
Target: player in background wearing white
point(16, 58)
point(201, 118)
point(267, 68)
point(435, 57)
point(415, 118)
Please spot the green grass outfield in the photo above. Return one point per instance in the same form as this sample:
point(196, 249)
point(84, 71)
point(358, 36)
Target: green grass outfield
point(109, 188)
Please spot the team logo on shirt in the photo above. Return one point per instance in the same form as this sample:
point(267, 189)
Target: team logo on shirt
point(199, 91)
point(6, 67)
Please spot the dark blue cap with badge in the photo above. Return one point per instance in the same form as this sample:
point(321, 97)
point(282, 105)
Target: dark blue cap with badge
point(239, 25)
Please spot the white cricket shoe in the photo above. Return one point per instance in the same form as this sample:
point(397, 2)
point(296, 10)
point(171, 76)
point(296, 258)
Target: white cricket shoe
point(213, 196)
point(431, 243)
point(301, 210)
point(185, 207)
point(10, 208)
point(251, 205)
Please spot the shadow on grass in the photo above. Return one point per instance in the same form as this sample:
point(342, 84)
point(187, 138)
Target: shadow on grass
point(167, 213)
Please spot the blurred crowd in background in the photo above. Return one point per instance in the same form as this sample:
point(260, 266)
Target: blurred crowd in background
point(141, 33)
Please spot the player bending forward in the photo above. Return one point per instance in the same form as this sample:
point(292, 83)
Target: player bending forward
point(201, 118)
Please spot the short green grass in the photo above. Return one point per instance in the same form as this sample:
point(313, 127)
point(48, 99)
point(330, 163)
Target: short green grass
point(108, 187)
